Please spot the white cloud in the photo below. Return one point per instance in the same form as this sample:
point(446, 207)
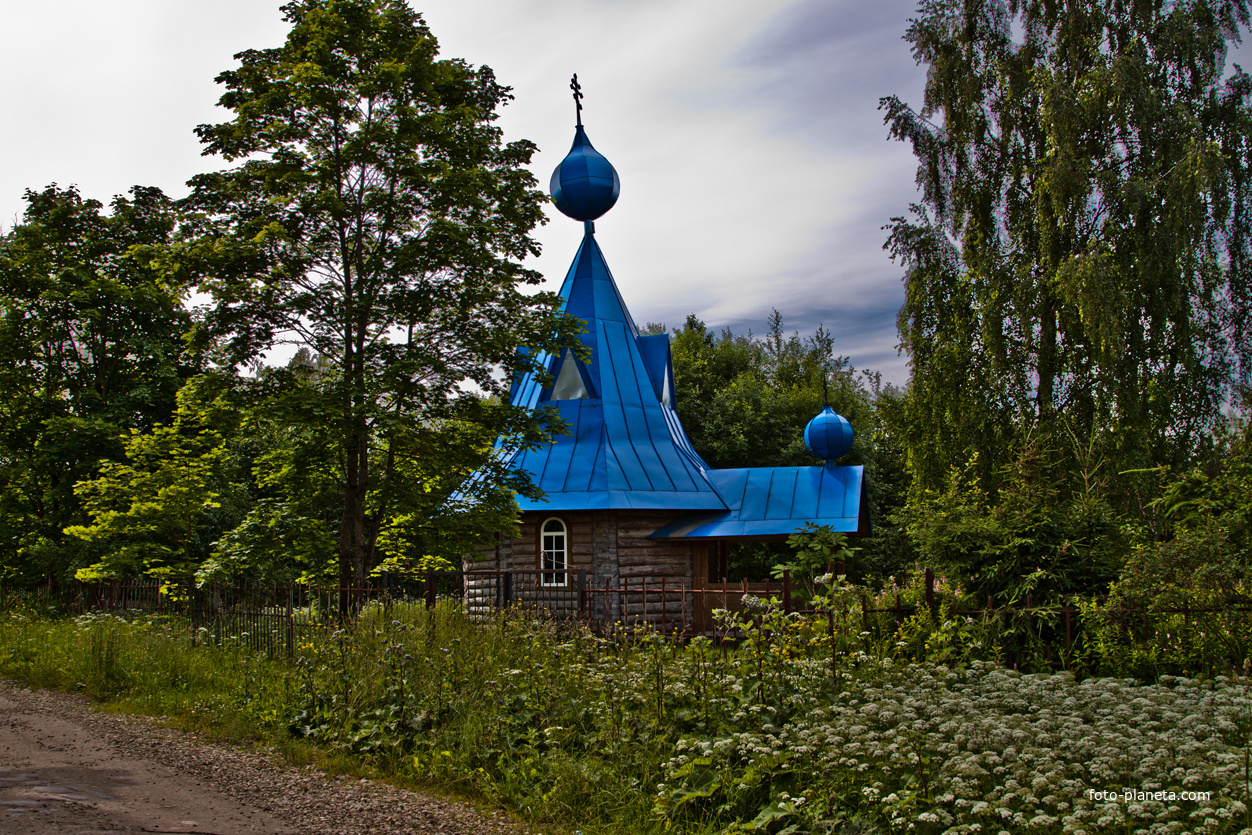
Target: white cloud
point(755, 169)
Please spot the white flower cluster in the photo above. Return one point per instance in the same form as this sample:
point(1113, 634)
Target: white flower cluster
point(924, 748)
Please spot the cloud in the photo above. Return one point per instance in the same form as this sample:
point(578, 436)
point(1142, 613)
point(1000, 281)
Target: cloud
point(755, 169)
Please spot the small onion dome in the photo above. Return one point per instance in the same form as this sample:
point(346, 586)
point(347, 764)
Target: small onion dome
point(829, 435)
point(585, 185)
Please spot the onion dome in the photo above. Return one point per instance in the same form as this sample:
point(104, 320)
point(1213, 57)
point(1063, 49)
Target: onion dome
point(829, 435)
point(585, 185)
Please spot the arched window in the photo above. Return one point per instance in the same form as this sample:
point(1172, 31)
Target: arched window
point(553, 552)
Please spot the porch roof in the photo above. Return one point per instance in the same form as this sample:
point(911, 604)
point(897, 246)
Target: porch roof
point(776, 501)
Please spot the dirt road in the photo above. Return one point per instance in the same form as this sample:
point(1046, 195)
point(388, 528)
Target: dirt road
point(67, 770)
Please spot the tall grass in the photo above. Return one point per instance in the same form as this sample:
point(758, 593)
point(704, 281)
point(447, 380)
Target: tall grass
point(640, 734)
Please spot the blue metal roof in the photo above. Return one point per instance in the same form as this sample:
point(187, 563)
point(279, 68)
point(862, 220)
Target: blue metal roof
point(772, 501)
point(626, 447)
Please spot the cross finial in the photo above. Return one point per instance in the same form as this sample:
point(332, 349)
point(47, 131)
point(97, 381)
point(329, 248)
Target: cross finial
point(578, 105)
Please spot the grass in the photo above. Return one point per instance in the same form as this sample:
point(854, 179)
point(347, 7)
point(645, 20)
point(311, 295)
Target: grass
point(637, 734)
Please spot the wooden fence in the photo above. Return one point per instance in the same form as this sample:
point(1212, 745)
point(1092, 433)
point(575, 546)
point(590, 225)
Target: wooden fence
point(274, 617)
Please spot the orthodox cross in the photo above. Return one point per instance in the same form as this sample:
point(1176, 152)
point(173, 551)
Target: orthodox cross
point(578, 94)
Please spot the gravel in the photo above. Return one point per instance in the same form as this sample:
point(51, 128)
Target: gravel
point(299, 800)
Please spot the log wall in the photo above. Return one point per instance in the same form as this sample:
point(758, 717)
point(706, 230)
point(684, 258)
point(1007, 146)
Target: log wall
point(612, 546)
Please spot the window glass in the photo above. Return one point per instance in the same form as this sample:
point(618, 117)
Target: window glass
point(554, 556)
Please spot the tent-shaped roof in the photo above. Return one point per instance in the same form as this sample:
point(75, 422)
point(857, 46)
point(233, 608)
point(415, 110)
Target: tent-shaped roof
point(626, 448)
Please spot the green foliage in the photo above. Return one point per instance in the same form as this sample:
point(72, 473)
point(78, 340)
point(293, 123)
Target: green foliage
point(1217, 493)
point(541, 717)
point(817, 550)
point(90, 349)
point(1039, 535)
point(155, 512)
point(638, 734)
point(377, 219)
point(275, 540)
point(745, 400)
point(1171, 611)
point(1081, 244)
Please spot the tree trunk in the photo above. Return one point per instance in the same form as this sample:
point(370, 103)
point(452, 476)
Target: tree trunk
point(352, 533)
point(1046, 396)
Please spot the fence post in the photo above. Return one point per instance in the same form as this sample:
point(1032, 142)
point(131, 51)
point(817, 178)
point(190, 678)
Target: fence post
point(291, 624)
point(583, 608)
point(786, 581)
point(430, 589)
point(682, 609)
point(1186, 620)
point(1069, 642)
point(930, 594)
point(643, 587)
point(508, 589)
point(664, 620)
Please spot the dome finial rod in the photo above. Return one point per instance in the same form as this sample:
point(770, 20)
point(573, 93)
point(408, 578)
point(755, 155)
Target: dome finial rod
point(578, 105)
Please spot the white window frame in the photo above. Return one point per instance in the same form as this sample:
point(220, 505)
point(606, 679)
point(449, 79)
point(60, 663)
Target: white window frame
point(553, 553)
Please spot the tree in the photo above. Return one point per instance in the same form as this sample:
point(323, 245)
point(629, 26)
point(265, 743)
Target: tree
point(1080, 252)
point(91, 347)
point(1048, 532)
point(288, 439)
point(378, 220)
point(160, 510)
point(745, 400)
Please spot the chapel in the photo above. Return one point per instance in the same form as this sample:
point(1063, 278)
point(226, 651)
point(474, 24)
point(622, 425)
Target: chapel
point(628, 502)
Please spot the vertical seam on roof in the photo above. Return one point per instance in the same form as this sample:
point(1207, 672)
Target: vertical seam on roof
point(621, 406)
point(632, 354)
point(634, 448)
point(672, 457)
point(549, 462)
point(571, 273)
point(610, 450)
point(595, 458)
point(570, 471)
point(743, 494)
point(776, 477)
point(608, 274)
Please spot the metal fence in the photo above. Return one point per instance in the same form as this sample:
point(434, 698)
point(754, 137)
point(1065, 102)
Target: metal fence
point(276, 617)
point(271, 617)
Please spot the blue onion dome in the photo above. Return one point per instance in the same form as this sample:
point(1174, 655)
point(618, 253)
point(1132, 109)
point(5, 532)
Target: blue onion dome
point(829, 435)
point(585, 185)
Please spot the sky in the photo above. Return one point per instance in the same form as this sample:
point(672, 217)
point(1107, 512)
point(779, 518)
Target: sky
point(756, 169)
